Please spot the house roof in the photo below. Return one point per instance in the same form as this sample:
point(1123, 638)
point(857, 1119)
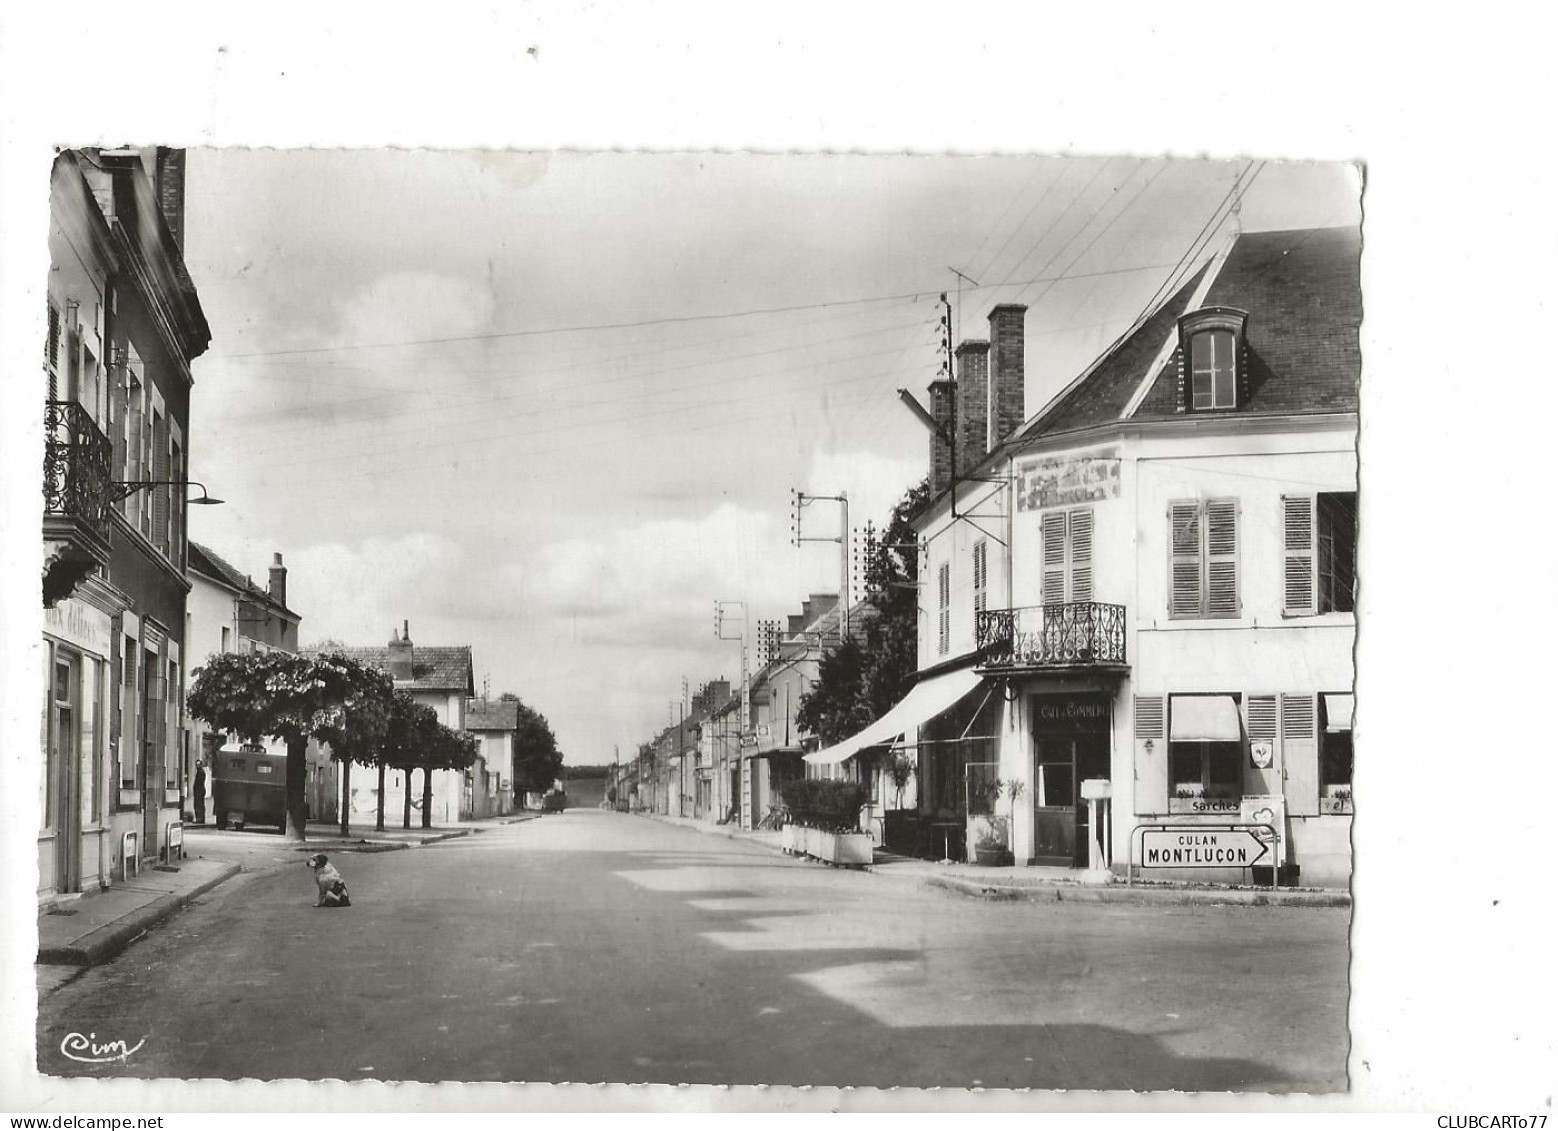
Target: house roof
point(203, 559)
point(493, 714)
point(1301, 290)
point(433, 667)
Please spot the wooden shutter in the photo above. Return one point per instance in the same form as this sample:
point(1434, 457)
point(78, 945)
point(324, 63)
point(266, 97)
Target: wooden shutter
point(51, 352)
point(1185, 559)
point(1080, 549)
point(1152, 776)
point(944, 577)
point(1300, 756)
point(1052, 530)
point(981, 574)
point(1298, 554)
point(1222, 558)
point(1261, 724)
point(159, 471)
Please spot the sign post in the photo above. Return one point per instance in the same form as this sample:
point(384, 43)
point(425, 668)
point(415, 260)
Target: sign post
point(1204, 846)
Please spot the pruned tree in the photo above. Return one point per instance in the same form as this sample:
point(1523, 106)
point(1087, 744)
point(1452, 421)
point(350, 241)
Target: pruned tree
point(291, 699)
point(410, 727)
point(449, 750)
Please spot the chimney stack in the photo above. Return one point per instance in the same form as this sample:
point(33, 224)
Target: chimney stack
point(940, 450)
point(1007, 380)
point(278, 581)
point(170, 190)
point(973, 399)
point(401, 656)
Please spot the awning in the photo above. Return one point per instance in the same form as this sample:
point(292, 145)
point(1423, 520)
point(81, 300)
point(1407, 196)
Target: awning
point(926, 700)
point(1338, 713)
point(1203, 718)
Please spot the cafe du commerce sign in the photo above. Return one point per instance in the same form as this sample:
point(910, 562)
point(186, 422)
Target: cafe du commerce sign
point(1071, 712)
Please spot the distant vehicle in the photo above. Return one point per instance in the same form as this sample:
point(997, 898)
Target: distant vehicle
point(249, 787)
point(555, 801)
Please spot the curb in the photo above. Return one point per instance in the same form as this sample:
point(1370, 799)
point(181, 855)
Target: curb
point(111, 938)
point(1162, 897)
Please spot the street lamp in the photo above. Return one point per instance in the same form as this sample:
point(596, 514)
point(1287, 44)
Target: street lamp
point(120, 491)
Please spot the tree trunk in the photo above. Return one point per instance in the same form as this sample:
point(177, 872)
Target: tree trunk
point(297, 789)
point(427, 797)
point(405, 817)
point(379, 824)
point(346, 797)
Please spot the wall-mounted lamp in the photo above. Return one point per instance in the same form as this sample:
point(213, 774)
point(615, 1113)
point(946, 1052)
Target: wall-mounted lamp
point(125, 490)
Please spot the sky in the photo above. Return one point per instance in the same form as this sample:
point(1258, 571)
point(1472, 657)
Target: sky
point(552, 405)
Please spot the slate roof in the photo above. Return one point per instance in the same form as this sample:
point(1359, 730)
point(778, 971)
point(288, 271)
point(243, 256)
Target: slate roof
point(494, 714)
point(1301, 290)
point(205, 560)
point(434, 667)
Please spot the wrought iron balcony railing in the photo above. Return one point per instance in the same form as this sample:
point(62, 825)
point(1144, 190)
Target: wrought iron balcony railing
point(1077, 634)
point(76, 480)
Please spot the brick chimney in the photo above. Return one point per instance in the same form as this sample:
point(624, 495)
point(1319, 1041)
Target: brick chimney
point(1006, 364)
point(973, 360)
point(278, 581)
point(401, 656)
point(820, 605)
point(170, 190)
point(940, 450)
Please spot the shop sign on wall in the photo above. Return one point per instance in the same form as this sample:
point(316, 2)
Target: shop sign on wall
point(1049, 482)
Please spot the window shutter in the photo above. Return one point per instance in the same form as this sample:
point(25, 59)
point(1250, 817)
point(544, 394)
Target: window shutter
point(981, 575)
point(1052, 530)
point(1300, 756)
point(944, 577)
point(1222, 558)
point(1261, 723)
point(1185, 559)
point(1298, 554)
point(159, 495)
point(1151, 786)
point(51, 352)
point(1081, 547)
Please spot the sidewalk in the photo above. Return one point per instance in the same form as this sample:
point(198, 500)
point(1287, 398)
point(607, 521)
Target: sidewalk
point(1046, 885)
point(92, 928)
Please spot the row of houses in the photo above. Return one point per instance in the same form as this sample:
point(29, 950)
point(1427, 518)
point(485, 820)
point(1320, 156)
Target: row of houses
point(1136, 604)
point(130, 605)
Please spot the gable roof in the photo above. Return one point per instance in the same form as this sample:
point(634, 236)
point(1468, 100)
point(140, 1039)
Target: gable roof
point(1301, 290)
point(433, 667)
point(491, 714)
point(203, 559)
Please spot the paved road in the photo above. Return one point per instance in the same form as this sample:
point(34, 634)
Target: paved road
point(595, 946)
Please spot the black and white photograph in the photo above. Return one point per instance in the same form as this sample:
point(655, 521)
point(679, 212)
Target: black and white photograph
point(775, 621)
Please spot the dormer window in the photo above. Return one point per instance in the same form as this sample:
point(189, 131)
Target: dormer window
point(1211, 368)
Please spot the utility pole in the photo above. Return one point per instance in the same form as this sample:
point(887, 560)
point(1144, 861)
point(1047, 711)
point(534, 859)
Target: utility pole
point(798, 502)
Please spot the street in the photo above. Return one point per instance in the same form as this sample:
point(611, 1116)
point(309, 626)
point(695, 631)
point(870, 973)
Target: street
point(594, 946)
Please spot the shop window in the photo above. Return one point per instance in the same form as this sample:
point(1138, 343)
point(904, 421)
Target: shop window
point(1320, 552)
point(1206, 754)
point(1336, 753)
point(1203, 558)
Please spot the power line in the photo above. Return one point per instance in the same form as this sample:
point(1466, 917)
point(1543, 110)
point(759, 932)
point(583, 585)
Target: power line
point(670, 320)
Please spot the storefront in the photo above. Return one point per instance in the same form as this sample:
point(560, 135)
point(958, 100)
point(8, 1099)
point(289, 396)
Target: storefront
point(1071, 745)
point(74, 797)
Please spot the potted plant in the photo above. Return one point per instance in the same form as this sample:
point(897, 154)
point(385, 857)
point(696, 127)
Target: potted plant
point(993, 847)
point(824, 821)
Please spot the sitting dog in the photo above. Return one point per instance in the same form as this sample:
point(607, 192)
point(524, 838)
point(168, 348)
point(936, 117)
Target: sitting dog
point(332, 888)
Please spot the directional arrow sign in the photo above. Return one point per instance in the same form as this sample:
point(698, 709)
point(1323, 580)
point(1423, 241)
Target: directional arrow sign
point(1196, 848)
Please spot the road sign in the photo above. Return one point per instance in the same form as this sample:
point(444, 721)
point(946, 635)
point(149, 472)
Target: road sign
point(1198, 848)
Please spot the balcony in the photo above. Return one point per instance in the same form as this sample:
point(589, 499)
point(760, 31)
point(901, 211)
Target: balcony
point(1079, 635)
point(77, 490)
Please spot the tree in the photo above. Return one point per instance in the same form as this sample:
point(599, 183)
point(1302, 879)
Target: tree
point(328, 697)
point(860, 681)
point(537, 761)
point(410, 727)
point(448, 750)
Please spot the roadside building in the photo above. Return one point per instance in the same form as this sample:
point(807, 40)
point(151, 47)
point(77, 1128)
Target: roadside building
point(489, 783)
point(1154, 623)
point(124, 324)
point(438, 676)
point(229, 612)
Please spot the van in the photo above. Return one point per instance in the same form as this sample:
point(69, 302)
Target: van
point(249, 787)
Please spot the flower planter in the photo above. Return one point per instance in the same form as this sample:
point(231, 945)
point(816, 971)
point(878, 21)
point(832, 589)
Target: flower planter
point(851, 850)
point(991, 855)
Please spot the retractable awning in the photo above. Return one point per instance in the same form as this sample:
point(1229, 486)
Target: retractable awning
point(1338, 713)
point(1203, 718)
point(926, 700)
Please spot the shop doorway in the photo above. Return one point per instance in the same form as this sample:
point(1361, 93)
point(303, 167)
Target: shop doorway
point(1071, 745)
point(65, 772)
